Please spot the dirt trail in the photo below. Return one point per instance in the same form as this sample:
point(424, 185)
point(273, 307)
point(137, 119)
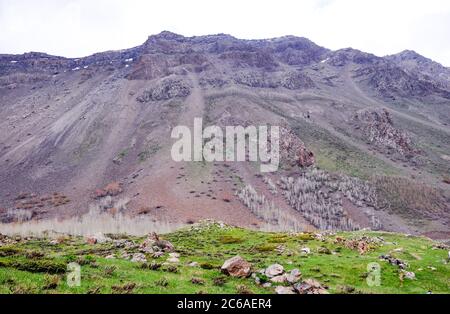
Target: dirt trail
point(195, 103)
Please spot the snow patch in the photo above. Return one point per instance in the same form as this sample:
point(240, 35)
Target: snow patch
point(76, 69)
point(13, 61)
point(129, 60)
point(323, 61)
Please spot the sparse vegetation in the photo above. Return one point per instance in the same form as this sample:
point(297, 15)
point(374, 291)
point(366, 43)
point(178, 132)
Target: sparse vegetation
point(342, 271)
point(96, 220)
point(319, 197)
point(410, 199)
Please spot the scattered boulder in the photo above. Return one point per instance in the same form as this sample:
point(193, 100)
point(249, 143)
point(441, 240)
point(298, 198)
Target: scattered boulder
point(284, 290)
point(274, 270)
point(410, 275)
point(174, 258)
point(394, 261)
point(154, 244)
point(197, 281)
point(310, 286)
point(91, 240)
point(294, 276)
point(139, 258)
point(165, 245)
point(127, 244)
point(305, 250)
point(279, 279)
point(97, 238)
point(324, 250)
point(441, 246)
point(237, 267)
point(177, 255)
point(125, 255)
point(157, 254)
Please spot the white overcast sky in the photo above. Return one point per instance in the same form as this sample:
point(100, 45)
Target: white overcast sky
point(78, 28)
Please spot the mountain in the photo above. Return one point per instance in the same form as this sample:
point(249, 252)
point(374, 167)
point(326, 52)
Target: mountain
point(92, 134)
point(428, 70)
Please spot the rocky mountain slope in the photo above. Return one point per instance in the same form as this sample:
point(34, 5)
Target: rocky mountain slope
point(367, 138)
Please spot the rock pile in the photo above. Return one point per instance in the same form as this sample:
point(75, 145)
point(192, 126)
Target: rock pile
point(394, 261)
point(362, 245)
point(287, 282)
point(154, 244)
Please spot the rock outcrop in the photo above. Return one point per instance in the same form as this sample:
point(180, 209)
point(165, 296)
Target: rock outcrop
point(167, 89)
point(378, 128)
point(293, 151)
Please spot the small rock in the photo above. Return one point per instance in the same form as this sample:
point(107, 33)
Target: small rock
point(279, 279)
point(97, 238)
point(173, 260)
point(139, 258)
point(410, 275)
point(193, 264)
point(294, 276)
point(284, 290)
point(154, 243)
point(237, 267)
point(157, 254)
point(125, 255)
point(266, 285)
point(274, 270)
point(177, 255)
point(310, 286)
point(91, 240)
point(305, 250)
point(324, 250)
point(394, 261)
point(111, 256)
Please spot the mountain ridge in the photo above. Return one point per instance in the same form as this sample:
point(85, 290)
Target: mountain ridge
point(82, 133)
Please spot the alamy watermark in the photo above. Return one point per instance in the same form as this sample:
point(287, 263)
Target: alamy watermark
point(73, 275)
point(232, 144)
point(373, 275)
